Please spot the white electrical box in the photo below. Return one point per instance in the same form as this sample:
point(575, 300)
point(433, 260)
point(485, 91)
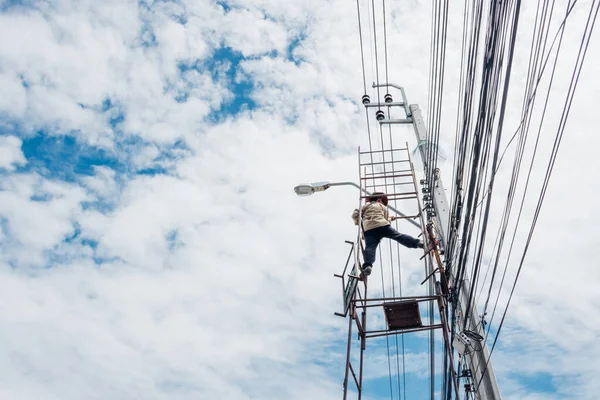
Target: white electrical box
point(461, 343)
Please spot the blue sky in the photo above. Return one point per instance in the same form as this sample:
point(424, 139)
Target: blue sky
point(152, 245)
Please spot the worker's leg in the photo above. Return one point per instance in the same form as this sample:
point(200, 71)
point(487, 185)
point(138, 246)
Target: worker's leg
point(405, 240)
point(372, 240)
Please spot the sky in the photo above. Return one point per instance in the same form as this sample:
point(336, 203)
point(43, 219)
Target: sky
point(151, 243)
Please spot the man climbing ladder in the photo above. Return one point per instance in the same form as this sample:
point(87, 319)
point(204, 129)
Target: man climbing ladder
point(376, 224)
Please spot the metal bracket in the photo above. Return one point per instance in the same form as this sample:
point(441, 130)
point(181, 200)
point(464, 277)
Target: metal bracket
point(392, 104)
point(396, 121)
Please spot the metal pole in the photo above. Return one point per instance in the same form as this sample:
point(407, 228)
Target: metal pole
point(488, 390)
point(363, 345)
point(442, 209)
point(348, 358)
point(447, 340)
point(368, 194)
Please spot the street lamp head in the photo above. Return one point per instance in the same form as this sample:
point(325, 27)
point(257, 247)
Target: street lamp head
point(304, 190)
point(307, 190)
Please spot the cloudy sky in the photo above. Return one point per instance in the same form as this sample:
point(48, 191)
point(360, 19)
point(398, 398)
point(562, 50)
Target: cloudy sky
point(151, 243)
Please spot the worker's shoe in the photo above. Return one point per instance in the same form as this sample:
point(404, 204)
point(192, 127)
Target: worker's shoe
point(421, 245)
point(367, 270)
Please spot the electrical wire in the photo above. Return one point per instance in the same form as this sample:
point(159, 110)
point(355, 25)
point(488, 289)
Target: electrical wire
point(485, 80)
point(362, 53)
point(376, 58)
point(387, 338)
point(536, 50)
point(558, 139)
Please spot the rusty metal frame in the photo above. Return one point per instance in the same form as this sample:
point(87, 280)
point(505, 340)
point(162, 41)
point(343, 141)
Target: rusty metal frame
point(357, 297)
point(345, 287)
point(380, 333)
point(360, 303)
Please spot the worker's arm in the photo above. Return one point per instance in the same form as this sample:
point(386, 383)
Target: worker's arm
point(355, 216)
point(386, 213)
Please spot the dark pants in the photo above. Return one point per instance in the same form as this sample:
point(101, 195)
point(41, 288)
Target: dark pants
point(374, 236)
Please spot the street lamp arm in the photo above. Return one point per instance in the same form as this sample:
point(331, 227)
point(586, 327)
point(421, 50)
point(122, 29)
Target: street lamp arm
point(349, 184)
point(329, 184)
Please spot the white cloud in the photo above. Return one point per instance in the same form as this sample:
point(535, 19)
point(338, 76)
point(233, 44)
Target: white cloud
point(14, 100)
point(39, 214)
point(265, 35)
point(11, 153)
point(215, 281)
point(102, 182)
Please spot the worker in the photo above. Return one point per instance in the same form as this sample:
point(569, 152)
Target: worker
point(376, 225)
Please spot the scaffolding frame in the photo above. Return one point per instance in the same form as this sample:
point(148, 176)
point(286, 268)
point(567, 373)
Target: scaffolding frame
point(356, 301)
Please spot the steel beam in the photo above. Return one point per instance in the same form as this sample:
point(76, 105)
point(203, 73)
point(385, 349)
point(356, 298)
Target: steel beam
point(440, 204)
point(390, 104)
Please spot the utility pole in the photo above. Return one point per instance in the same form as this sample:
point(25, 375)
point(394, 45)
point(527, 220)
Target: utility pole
point(479, 361)
point(390, 168)
point(477, 357)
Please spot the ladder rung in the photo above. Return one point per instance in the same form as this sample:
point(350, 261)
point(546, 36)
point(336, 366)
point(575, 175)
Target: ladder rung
point(388, 184)
point(402, 198)
point(383, 162)
point(390, 195)
point(391, 198)
point(378, 182)
point(388, 172)
point(382, 151)
point(388, 176)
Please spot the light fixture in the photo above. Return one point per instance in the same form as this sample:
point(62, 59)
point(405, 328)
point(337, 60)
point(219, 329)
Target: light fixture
point(308, 189)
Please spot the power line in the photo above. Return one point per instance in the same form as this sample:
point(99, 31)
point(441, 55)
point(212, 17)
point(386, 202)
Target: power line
point(566, 109)
point(362, 54)
point(562, 124)
point(387, 338)
point(534, 54)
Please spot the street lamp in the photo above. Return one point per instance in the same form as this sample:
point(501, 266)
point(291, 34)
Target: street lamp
point(306, 189)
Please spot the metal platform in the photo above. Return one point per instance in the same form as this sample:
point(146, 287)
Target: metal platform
point(402, 315)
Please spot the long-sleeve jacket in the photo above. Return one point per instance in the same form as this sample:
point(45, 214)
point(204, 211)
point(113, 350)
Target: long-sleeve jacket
point(374, 215)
